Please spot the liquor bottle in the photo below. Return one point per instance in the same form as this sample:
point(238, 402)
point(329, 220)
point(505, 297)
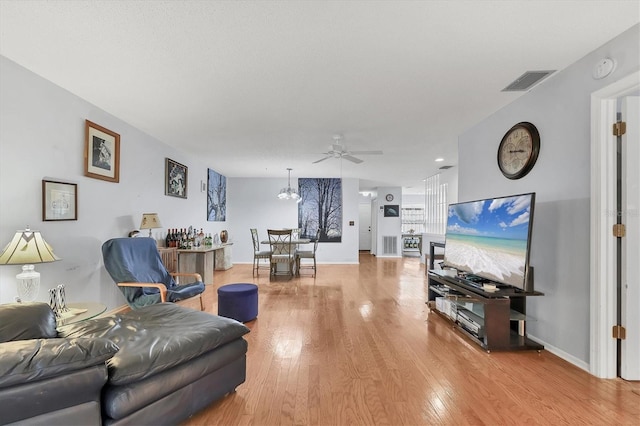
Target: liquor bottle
point(201, 238)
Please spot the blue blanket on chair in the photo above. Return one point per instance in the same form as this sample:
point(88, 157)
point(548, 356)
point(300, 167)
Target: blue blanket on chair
point(137, 260)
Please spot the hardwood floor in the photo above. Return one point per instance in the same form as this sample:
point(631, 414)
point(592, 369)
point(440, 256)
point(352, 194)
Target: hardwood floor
point(358, 346)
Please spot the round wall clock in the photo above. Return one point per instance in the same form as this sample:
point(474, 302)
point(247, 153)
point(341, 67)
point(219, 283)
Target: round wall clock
point(518, 150)
point(389, 197)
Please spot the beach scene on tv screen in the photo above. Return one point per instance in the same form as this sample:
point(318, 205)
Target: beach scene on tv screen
point(489, 238)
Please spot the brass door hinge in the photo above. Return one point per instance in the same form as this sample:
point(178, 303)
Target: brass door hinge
point(619, 128)
point(619, 332)
point(619, 230)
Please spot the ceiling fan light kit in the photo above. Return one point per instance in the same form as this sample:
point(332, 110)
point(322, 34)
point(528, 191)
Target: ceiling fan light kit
point(339, 150)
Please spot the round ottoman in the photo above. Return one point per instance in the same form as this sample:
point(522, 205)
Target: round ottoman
point(238, 301)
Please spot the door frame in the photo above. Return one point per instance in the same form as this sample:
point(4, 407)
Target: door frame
point(602, 347)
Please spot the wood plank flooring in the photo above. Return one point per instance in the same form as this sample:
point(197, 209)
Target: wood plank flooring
point(358, 346)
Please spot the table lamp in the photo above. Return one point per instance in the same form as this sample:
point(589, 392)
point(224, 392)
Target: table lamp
point(150, 221)
point(27, 247)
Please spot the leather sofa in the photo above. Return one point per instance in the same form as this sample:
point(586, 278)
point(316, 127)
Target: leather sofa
point(156, 365)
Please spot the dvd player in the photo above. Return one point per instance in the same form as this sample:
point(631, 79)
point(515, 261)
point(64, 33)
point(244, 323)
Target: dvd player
point(471, 322)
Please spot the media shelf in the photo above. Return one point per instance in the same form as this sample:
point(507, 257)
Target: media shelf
point(494, 320)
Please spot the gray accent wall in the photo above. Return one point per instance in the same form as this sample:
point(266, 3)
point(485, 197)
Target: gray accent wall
point(560, 107)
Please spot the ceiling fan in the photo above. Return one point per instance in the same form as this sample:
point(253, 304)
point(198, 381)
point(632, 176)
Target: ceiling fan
point(339, 150)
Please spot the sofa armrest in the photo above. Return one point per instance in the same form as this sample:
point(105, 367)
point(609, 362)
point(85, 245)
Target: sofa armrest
point(20, 321)
point(36, 359)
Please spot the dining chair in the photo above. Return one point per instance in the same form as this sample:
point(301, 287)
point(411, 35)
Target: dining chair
point(308, 254)
point(257, 253)
point(282, 251)
point(296, 233)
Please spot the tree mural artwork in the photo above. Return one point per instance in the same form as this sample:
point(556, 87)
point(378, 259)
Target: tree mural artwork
point(216, 197)
point(321, 208)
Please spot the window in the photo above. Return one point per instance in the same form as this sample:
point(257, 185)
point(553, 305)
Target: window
point(412, 220)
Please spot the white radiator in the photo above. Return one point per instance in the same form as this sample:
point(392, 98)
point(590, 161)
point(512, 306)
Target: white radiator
point(390, 244)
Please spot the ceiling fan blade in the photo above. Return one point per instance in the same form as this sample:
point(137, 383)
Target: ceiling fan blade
point(322, 159)
point(366, 152)
point(352, 159)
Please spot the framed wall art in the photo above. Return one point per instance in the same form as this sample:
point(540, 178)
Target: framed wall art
point(320, 208)
point(216, 196)
point(59, 200)
point(101, 153)
point(392, 210)
point(175, 180)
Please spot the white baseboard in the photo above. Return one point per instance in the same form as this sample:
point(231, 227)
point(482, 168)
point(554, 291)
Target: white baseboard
point(562, 354)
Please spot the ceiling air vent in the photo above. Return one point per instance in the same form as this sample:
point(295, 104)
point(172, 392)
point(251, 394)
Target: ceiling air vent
point(445, 167)
point(527, 80)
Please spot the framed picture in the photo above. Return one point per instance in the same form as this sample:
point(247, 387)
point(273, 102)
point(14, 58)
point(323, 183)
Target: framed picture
point(101, 153)
point(59, 200)
point(392, 210)
point(320, 208)
point(175, 179)
point(216, 196)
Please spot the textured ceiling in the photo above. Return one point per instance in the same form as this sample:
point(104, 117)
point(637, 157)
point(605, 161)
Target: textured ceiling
point(254, 87)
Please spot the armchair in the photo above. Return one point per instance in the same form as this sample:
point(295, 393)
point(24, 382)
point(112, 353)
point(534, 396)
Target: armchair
point(136, 267)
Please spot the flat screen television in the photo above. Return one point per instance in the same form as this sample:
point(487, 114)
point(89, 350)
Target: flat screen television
point(491, 238)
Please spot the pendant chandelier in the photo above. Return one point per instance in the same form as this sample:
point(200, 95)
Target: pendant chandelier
point(289, 193)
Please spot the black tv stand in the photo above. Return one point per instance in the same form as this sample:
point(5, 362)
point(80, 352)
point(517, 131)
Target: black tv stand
point(495, 320)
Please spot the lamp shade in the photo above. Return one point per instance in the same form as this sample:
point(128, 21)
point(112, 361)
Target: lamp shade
point(27, 247)
point(150, 221)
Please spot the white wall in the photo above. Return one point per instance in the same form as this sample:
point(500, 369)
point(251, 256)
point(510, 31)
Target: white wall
point(450, 177)
point(412, 200)
point(560, 109)
point(42, 135)
point(252, 203)
point(387, 226)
